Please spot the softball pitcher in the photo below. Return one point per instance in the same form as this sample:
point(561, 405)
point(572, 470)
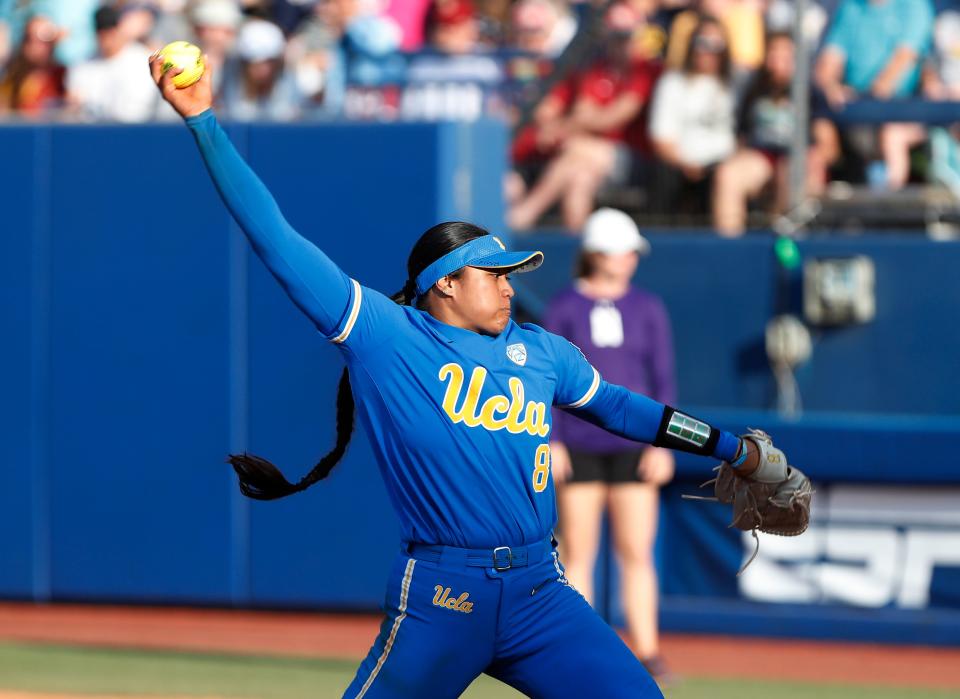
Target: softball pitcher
point(455, 398)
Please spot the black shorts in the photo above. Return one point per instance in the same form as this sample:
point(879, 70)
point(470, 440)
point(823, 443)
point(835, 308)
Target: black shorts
point(619, 467)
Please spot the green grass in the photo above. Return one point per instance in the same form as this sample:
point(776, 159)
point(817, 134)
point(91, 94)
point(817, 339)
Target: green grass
point(79, 670)
point(65, 669)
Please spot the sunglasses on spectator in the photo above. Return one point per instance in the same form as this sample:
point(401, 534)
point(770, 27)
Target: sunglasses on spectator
point(709, 44)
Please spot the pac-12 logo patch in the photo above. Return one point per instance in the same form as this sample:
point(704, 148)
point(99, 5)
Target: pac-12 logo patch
point(517, 353)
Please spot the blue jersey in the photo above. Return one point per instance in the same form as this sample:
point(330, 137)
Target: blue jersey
point(460, 422)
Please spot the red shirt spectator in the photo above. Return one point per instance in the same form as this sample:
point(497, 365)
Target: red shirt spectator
point(34, 82)
point(597, 140)
point(604, 82)
point(600, 84)
point(530, 143)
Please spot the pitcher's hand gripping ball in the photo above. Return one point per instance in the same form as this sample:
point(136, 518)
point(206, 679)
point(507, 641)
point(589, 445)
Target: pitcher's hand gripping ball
point(183, 54)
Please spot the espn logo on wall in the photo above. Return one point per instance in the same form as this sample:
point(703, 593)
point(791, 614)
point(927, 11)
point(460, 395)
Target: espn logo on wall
point(867, 546)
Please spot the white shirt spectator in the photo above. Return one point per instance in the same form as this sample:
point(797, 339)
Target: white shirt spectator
point(694, 112)
point(115, 89)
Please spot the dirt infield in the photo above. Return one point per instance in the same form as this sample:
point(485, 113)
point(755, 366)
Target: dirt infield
point(349, 637)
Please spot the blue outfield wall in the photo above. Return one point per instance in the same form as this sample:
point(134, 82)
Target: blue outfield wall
point(143, 342)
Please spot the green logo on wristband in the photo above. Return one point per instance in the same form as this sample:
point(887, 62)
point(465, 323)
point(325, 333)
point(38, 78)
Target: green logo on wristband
point(688, 429)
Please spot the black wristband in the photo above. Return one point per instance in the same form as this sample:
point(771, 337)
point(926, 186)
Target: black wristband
point(681, 432)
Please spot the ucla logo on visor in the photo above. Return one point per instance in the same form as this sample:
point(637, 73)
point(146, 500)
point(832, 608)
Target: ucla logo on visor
point(517, 353)
point(486, 252)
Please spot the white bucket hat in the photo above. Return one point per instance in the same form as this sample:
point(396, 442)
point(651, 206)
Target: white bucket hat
point(260, 40)
point(612, 232)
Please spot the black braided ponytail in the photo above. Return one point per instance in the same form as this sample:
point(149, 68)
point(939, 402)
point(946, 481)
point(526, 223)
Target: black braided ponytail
point(260, 479)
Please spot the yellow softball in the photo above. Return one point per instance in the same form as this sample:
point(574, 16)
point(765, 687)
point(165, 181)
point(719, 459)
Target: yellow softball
point(183, 54)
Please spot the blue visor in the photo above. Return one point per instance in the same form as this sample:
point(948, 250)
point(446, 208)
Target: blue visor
point(486, 252)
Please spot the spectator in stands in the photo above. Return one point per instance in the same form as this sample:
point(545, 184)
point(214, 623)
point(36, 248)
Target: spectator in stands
point(941, 81)
point(625, 333)
point(311, 52)
point(538, 142)
point(72, 16)
point(347, 41)
point(4, 42)
point(781, 16)
point(34, 81)
point(452, 27)
point(173, 21)
point(137, 20)
point(941, 74)
point(411, 17)
point(113, 86)
point(215, 24)
point(265, 90)
point(766, 123)
point(458, 78)
point(692, 123)
point(602, 136)
point(743, 22)
point(650, 38)
point(541, 27)
point(875, 48)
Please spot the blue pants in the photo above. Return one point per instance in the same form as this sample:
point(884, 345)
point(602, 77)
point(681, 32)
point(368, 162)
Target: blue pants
point(448, 622)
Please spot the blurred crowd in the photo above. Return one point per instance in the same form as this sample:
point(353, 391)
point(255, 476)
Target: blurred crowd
point(273, 59)
point(688, 100)
point(696, 107)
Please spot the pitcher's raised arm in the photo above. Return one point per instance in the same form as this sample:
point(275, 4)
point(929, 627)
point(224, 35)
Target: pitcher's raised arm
point(318, 287)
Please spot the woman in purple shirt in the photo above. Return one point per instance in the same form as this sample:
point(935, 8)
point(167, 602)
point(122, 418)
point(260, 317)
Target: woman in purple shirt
point(625, 333)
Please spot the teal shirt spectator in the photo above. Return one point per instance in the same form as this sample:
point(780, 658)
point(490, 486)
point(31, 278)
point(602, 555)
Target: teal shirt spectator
point(869, 32)
point(76, 16)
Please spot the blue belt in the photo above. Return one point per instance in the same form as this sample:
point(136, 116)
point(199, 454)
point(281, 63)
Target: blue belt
point(499, 558)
